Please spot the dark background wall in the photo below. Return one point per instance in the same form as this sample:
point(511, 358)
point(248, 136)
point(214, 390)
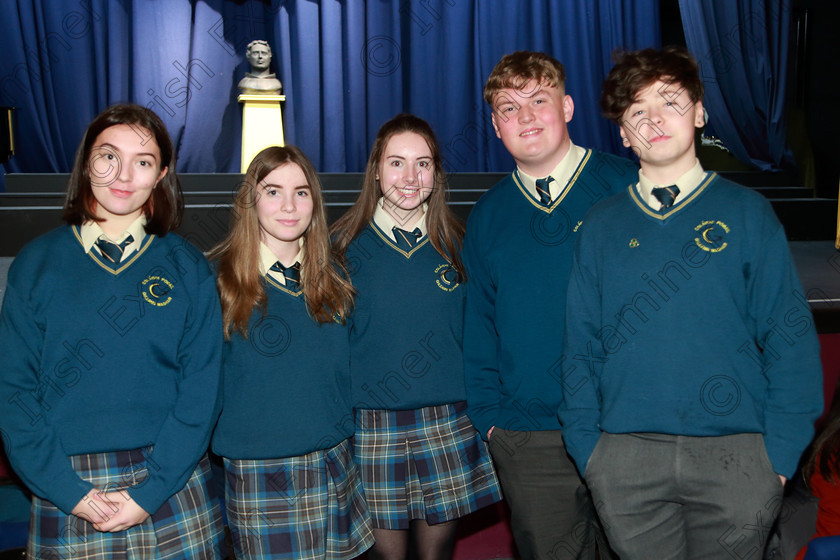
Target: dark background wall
point(819, 87)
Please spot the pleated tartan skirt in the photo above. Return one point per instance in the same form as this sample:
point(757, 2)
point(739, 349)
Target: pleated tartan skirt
point(188, 525)
point(305, 507)
point(428, 464)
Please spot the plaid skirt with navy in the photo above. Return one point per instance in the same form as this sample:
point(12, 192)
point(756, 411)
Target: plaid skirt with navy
point(188, 525)
point(310, 506)
point(427, 464)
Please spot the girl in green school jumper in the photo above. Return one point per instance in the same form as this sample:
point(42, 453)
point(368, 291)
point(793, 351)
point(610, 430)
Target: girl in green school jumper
point(110, 348)
point(292, 488)
point(423, 464)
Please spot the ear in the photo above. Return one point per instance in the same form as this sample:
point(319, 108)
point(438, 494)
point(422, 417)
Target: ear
point(699, 115)
point(495, 126)
point(625, 141)
point(568, 107)
point(161, 176)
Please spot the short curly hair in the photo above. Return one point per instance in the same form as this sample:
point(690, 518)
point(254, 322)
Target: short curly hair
point(255, 43)
point(636, 70)
point(517, 69)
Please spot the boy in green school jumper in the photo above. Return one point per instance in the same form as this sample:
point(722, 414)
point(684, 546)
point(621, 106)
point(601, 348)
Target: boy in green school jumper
point(689, 343)
point(518, 253)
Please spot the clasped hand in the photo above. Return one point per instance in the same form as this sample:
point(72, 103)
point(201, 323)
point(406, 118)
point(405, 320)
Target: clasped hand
point(109, 511)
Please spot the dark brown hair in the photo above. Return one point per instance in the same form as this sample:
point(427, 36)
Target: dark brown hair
point(824, 456)
point(636, 70)
point(515, 70)
point(329, 296)
point(165, 205)
point(444, 229)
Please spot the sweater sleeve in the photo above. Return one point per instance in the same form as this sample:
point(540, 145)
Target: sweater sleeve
point(32, 444)
point(580, 409)
point(185, 434)
point(791, 361)
point(481, 341)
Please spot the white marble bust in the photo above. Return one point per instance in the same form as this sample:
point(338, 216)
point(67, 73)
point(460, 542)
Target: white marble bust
point(259, 80)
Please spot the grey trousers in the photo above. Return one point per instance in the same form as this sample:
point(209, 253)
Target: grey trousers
point(552, 517)
point(679, 497)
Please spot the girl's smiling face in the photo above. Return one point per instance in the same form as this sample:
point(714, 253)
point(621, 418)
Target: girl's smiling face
point(406, 174)
point(124, 168)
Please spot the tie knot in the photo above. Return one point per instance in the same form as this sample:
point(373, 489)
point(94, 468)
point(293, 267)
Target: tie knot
point(407, 238)
point(543, 190)
point(290, 273)
point(113, 251)
point(666, 195)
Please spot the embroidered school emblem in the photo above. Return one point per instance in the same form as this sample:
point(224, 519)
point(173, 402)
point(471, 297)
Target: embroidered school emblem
point(447, 278)
point(634, 243)
point(711, 235)
point(157, 290)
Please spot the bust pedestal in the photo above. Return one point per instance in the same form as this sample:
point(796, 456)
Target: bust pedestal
point(7, 133)
point(262, 124)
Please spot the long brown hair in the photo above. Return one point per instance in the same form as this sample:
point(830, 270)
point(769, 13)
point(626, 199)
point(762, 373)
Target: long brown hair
point(329, 296)
point(444, 229)
point(164, 207)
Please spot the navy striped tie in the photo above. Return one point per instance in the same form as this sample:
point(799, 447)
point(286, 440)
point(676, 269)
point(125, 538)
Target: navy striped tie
point(666, 195)
point(407, 239)
point(112, 251)
point(290, 273)
point(544, 191)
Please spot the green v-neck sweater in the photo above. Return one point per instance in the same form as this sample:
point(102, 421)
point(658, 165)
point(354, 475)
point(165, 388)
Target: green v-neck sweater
point(689, 321)
point(518, 254)
point(406, 328)
point(94, 359)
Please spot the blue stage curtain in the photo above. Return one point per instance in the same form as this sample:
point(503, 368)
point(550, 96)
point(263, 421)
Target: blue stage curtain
point(346, 67)
point(742, 49)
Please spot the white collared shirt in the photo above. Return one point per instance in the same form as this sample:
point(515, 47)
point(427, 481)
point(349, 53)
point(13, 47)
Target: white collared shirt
point(562, 173)
point(386, 222)
point(687, 183)
point(268, 258)
point(91, 231)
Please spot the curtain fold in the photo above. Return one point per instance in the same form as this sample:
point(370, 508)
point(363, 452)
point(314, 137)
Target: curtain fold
point(346, 67)
point(742, 49)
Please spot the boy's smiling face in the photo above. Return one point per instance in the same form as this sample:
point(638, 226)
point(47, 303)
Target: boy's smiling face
point(531, 122)
point(660, 126)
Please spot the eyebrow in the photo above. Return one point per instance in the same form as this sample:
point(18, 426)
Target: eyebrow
point(116, 149)
point(277, 185)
